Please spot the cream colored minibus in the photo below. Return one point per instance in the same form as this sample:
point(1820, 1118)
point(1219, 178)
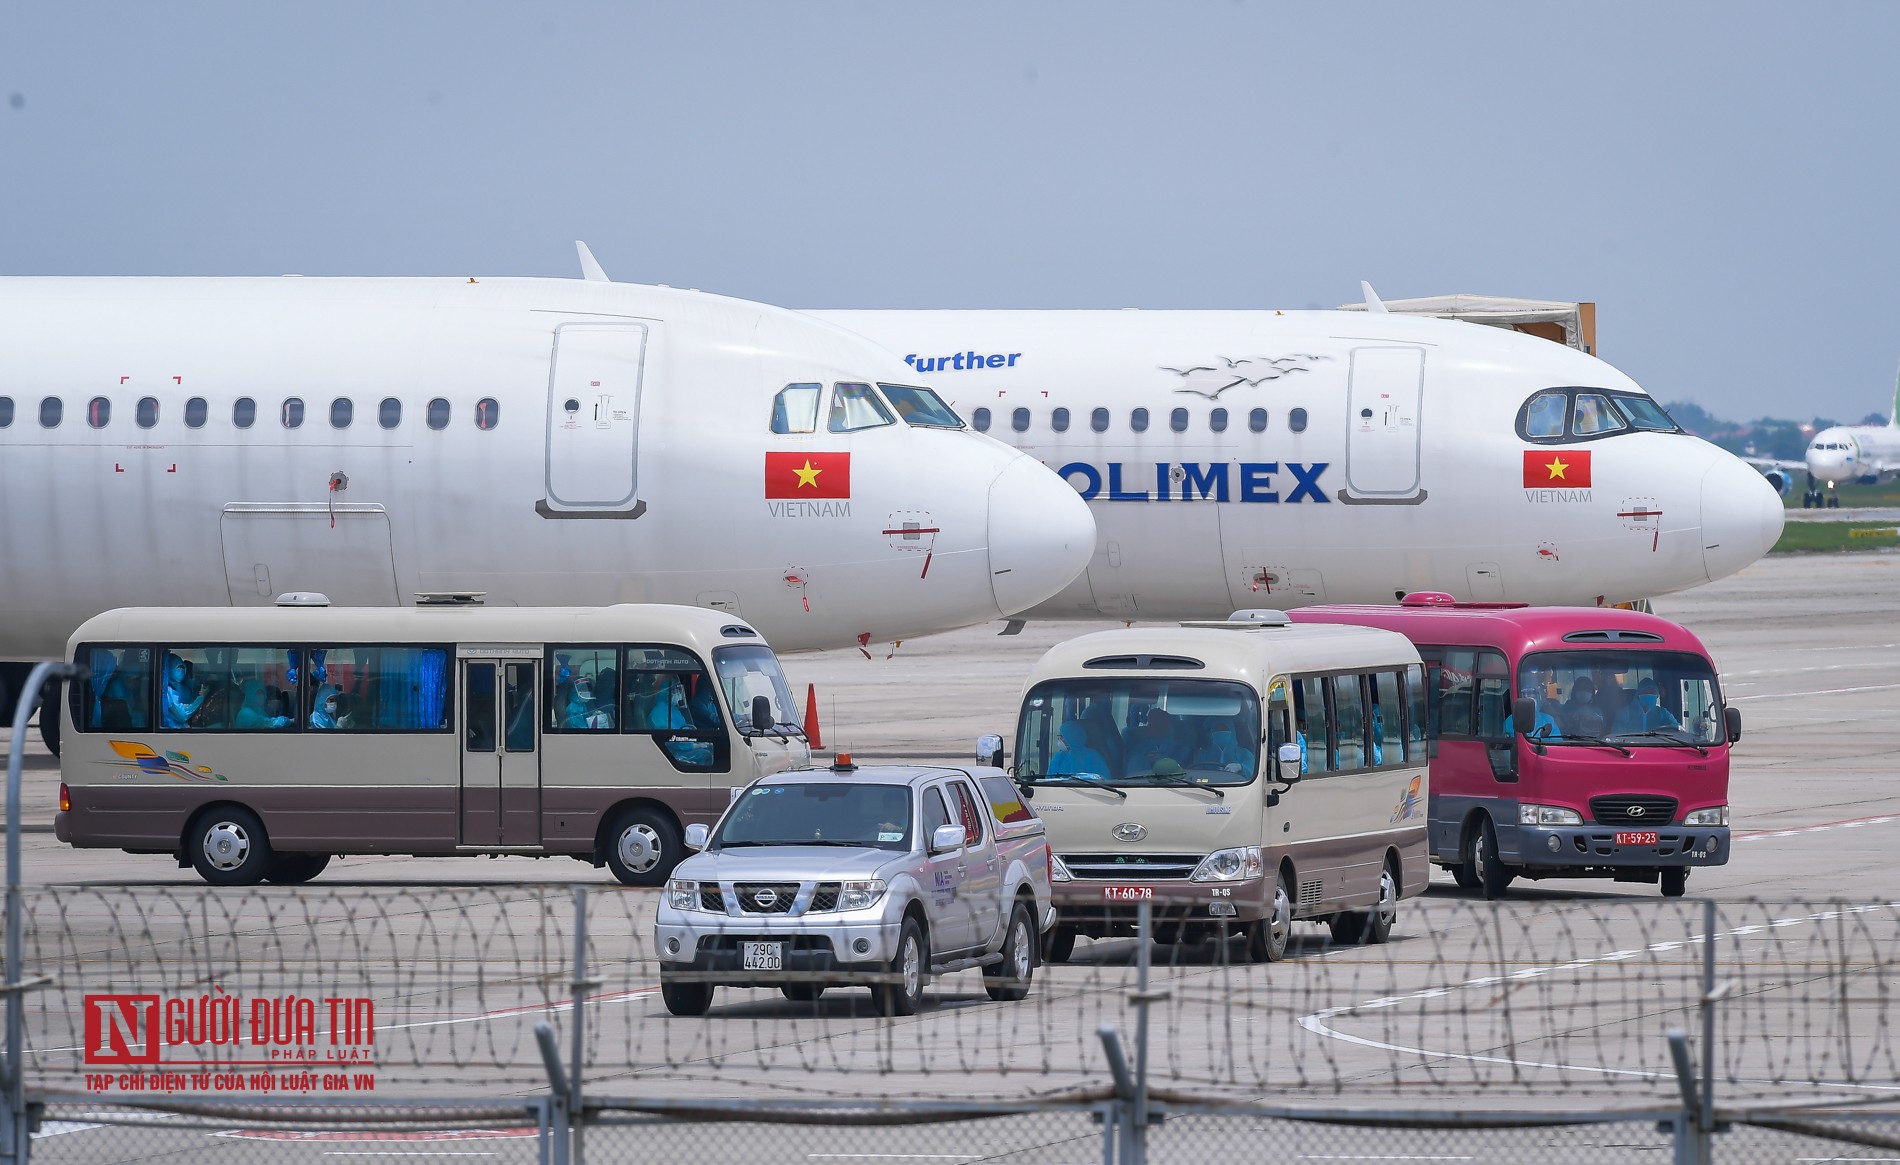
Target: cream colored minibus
point(1240, 776)
point(257, 743)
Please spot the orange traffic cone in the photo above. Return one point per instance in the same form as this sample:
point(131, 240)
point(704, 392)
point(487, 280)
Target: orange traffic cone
point(811, 717)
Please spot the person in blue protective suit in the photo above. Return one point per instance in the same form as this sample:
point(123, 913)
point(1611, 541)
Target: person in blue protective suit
point(178, 704)
point(251, 713)
point(323, 711)
point(575, 714)
point(1074, 757)
point(1223, 751)
point(1645, 713)
point(1543, 725)
point(1156, 740)
point(704, 706)
point(652, 704)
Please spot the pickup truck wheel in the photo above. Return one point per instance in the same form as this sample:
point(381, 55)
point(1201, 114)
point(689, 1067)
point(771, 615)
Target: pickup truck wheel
point(1008, 981)
point(686, 998)
point(910, 965)
point(642, 848)
point(802, 992)
point(1058, 946)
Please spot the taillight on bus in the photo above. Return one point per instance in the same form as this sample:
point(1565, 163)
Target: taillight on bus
point(65, 798)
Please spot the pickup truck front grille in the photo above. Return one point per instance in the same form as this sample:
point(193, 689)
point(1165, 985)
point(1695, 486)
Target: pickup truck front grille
point(1107, 867)
point(766, 897)
point(711, 899)
point(826, 898)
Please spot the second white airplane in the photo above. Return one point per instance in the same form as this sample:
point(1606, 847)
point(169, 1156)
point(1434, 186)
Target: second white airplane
point(1260, 458)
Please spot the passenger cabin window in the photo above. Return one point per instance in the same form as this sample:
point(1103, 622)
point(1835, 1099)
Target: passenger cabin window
point(1310, 725)
point(1349, 723)
point(980, 420)
point(487, 414)
point(1217, 420)
point(117, 693)
point(1178, 420)
point(1257, 420)
point(1385, 724)
point(1019, 420)
point(1138, 420)
point(292, 413)
point(375, 689)
point(584, 688)
point(795, 408)
point(196, 412)
point(1594, 416)
point(1059, 420)
point(244, 412)
point(1546, 418)
point(6, 411)
point(1098, 420)
point(935, 815)
point(437, 416)
point(855, 407)
point(1296, 420)
point(921, 408)
point(666, 693)
point(146, 414)
point(389, 413)
point(51, 410)
point(98, 412)
point(967, 814)
point(341, 412)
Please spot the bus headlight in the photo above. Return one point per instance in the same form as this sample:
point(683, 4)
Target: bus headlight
point(682, 894)
point(1547, 815)
point(859, 895)
point(1230, 865)
point(1059, 872)
point(1715, 816)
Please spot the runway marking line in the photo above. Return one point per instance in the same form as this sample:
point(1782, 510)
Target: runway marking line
point(1821, 692)
point(1849, 823)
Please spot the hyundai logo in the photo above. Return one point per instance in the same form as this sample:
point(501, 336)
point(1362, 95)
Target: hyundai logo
point(1129, 831)
point(765, 898)
point(1635, 810)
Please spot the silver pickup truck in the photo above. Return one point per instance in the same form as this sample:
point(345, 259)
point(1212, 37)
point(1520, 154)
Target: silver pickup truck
point(815, 873)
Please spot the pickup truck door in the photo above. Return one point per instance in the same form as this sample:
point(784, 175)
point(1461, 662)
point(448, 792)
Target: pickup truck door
point(945, 901)
point(983, 867)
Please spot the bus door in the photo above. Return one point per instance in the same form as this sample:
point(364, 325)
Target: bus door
point(501, 756)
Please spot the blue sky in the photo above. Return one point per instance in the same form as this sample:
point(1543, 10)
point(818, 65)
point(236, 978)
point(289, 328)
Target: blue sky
point(1720, 178)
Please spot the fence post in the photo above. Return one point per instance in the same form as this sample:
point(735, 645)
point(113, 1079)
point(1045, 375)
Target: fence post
point(1709, 996)
point(578, 987)
point(557, 1122)
point(1118, 1125)
point(15, 1128)
point(1692, 1141)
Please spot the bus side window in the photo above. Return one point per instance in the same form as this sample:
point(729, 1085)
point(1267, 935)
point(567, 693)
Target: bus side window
point(669, 694)
point(1349, 721)
point(1457, 676)
point(1278, 733)
point(117, 697)
point(374, 689)
point(583, 689)
point(1494, 695)
point(1388, 720)
point(1415, 722)
point(518, 707)
point(1309, 714)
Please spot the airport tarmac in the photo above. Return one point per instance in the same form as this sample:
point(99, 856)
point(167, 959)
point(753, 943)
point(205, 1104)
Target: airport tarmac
point(1809, 649)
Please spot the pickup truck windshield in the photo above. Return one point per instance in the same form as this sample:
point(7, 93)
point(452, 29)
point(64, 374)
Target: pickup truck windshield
point(1141, 732)
point(830, 813)
point(1635, 698)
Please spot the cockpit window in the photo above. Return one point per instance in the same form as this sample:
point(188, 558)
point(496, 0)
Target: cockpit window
point(921, 407)
point(795, 408)
point(1595, 416)
point(1591, 414)
point(854, 407)
point(1547, 415)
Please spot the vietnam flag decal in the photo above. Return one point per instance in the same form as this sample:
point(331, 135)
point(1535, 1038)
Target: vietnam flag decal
point(1552, 468)
point(808, 475)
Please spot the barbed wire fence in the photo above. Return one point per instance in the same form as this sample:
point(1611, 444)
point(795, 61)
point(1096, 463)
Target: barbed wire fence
point(282, 1016)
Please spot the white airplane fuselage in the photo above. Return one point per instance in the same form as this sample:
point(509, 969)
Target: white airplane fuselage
point(602, 443)
point(1846, 454)
point(1413, 470)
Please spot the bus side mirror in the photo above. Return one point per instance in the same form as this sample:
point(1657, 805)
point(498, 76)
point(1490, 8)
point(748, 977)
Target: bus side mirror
point(762, 718)
point(1289, 763)
point(1524, 715)
point(1732, 720)
point(989, 750)
point(696, 836)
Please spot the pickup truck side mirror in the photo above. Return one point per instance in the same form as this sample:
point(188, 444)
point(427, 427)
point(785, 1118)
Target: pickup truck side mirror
point(989, 750)
point(1732, 720)
point(696, 836)
point(947, 838)
point(1289, 763)
point(762, 718)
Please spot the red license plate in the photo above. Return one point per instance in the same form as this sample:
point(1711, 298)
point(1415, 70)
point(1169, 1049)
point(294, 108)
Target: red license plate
point(1127, 893)
point(1636, 839)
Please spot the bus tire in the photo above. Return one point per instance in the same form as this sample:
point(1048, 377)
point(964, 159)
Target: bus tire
point(643, 846)
point(49, 715)
point(227, 846)
point(1267, 938)
point(1675, 881)
point(294, 869)
point(1370, 927)
point(1493, 875)
point(1058, 946)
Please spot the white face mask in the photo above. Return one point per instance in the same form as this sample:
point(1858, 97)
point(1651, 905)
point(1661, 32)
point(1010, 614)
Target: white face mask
point(329, 709)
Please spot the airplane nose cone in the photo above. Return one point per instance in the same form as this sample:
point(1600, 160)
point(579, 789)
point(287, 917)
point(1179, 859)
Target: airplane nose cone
point(1741, 517)
point(1041, 535)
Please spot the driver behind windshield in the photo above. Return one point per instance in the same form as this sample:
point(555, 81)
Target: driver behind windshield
point(1074, 757)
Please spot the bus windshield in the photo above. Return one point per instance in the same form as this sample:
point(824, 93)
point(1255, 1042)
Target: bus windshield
point(1129, 731)
point(745, 672)
point(1633, 697)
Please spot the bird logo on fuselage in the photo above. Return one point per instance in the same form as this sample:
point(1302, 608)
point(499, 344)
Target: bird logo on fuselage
point(1210, 380)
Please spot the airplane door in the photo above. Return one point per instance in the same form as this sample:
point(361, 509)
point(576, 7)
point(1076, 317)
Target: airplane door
point(1382, 426)
point(342, 551)
point(501, 761)
point(593, 420)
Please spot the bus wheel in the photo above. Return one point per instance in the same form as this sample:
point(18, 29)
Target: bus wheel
point(1267, 938)
point(642, 847)
point(1493, 875)
point(49, 715)
point(291, 869)
point(1675, 881)
point(228, 848)
point(1463, 874)
point(1353, 927)
point(1058, 946)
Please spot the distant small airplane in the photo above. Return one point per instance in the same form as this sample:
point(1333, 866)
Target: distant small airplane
point(1861, 454)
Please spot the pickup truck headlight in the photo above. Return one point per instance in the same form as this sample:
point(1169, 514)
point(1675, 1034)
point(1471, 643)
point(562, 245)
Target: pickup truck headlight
point(1715, 816)
point(1547, 815)
point(682, 894)
point(860, 895)
point(1058, 870)
point(1239, 864)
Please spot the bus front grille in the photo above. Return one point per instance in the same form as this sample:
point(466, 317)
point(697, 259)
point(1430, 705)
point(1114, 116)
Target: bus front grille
point(1106, 867)
point(1633, 809)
